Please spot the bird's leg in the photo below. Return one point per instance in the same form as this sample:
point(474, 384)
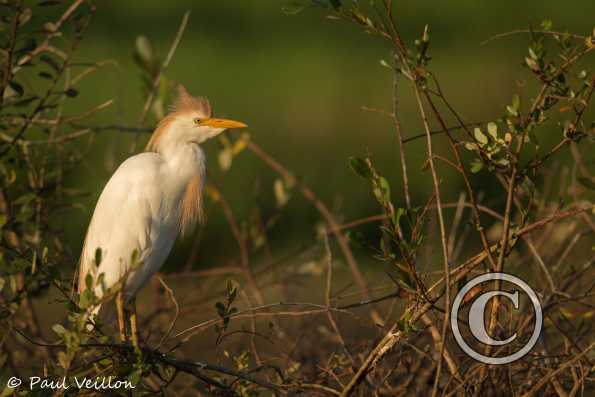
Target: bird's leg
point(120, 314)
point(134, 324)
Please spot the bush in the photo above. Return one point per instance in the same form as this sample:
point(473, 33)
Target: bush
point(393, 337)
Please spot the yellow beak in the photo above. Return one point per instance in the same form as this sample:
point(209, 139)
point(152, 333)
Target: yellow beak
point(223, 123)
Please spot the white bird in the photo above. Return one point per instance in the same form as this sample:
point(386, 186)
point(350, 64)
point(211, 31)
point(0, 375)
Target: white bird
point(151, 198)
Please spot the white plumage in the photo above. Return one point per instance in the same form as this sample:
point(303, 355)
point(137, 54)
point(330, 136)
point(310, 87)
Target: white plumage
point(150, 199)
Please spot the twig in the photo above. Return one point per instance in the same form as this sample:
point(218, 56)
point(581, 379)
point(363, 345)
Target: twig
point(170, 292)
point(321, 207)
point(381, 349)
point(162, 69)
point(561, 368)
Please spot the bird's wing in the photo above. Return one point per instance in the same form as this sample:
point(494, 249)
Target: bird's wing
point(128, 220)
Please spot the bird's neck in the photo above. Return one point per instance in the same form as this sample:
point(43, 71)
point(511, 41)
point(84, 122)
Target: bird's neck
point(185, 174)
point(185, 161)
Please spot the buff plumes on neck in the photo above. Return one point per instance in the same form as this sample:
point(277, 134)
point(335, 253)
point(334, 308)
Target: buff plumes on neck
point(191, 205)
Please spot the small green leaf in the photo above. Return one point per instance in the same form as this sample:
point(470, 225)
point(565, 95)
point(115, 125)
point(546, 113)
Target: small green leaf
point(45, 75)
point(16, 87)
point(361, 167)
point(221, 311)
point(533, 65)
point(225, 158)
point(135, 377)
point(58, 329)
point(516, 102)
point(546, 25)
point(512, 111)
point(476, 166)
point(24, 199)
point(89, 281)
point(493, 130)
point(385, 64)
point(359, 17)
point(480, 136)
point(98, 255)
point(281, 196)
point(232, 291)
point(144, 54)
point(86, 298)
point(384, 185)
point(397, 216)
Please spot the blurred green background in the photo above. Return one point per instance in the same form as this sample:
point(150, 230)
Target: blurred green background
point(300, 82)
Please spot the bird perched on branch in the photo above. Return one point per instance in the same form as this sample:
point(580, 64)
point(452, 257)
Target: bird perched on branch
point(151, 198)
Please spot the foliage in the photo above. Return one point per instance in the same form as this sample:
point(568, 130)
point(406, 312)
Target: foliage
point(373, 333)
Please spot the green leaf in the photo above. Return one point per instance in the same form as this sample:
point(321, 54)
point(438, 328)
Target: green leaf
point(493, 130)
point(359, 17)
point(24, 199)
point(221, 310)
point(512, 111)
point(476, 166)
point(16, 87)
point(546, 25)
point(45, 75)
point(143, 52)
point(397, 216)
point(405, 277)
point(480, 136)
point(135, 377)
point(86, 299)
point(533, 65)
point(384, 185)
point(281, 196)
point(361, 167)
point(58, 329)
point(232, 291)
point(89, 281)
point(516, 102)
point(98, 256)
point(3, 220)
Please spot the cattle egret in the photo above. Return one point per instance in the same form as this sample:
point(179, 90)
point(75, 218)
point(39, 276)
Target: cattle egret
point(151, 198)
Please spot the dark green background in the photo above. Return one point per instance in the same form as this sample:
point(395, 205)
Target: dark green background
point(300, 82)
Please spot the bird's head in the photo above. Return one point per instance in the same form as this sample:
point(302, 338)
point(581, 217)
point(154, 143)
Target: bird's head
point(189, 122)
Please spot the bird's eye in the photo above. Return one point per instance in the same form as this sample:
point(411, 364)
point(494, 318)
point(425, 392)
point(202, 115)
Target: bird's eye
point(197, 121)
